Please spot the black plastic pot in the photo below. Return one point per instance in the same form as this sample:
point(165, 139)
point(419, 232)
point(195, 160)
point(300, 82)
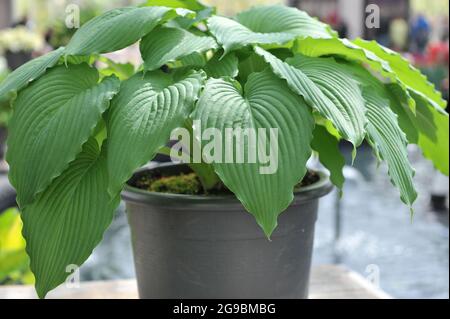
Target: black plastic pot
point(193, 247)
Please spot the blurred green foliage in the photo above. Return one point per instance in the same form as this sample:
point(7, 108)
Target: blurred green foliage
point(14, 261)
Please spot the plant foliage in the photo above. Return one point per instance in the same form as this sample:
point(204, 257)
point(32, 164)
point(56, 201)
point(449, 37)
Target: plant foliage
point(77, 134)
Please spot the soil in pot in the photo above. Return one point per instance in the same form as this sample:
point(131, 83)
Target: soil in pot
point(189, 183)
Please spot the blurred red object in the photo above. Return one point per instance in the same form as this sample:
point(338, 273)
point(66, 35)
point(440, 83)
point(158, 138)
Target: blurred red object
point(438, 53)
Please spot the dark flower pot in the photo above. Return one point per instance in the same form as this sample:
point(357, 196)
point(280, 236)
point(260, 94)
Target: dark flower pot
point(209, 247)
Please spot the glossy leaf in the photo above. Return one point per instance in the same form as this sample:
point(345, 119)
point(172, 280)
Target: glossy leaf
point(193, 5)
point(218, 67)
point(119, 28)
point(327, 146)
point(164, 45)
point(283, 19)
point(265, 103)
point(411, 77)
point(52, 119)
point(142, 117)
point(68, 219)
point(384, 133)
point(29, 72)
point(334, 94)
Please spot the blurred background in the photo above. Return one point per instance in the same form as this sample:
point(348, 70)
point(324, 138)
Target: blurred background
point(367, 230)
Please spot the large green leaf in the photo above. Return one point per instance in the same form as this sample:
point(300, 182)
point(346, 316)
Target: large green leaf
point(142, 117)
point(407, 117)
point(232, 35)
point(270, 25)
point(414, 80)
point(265, 103)
point(68, 219)
point(427, 127)
point(283, 19)
point(30, 71)
point(164, 45)
point(193, 5)
point(326, 88)
point(52, 119)
point(380, 59)
point(384, 133)
point(119, 28)
point(433, 128)
point(330, 156)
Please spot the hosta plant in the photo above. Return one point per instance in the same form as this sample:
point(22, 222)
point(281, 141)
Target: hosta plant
point(78, 133)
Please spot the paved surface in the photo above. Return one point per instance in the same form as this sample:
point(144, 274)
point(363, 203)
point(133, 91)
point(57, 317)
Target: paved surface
point(327, 282)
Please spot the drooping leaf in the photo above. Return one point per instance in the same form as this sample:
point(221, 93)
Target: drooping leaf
point(433, 128)
point(14, 261)
point(264, 190)
point(384, 133)
point(330, 156)
point(109, 67)
point(334, 94)
point(227, 66)
point(52, 119)
point(351, 52)
point(427, 127)
point(119, 28)
point(266, 25)
point(164, 45)
point(414, 80)
point(142, 117)
point(30, 71)
point(202, 11)
point(407, 118)
point(68, 219)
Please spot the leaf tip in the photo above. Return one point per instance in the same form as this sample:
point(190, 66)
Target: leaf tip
point(412, 214)
point(354, 154)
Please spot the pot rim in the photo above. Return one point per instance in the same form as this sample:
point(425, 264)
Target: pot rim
point(136, 195)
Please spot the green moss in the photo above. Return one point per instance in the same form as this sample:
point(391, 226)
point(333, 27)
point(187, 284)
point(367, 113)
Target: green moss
point(188, 184)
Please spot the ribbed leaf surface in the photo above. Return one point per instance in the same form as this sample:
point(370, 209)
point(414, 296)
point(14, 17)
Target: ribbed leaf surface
point(330, 156)
point(406, 73)
point(389, 63)
point(52, 119)
point(266, 103)
point(68, 219)
point(142, 117)
point(329, 90)
point(282, 19)
point(164, 45)
point(384, 133)
point(433, 128)
point(30, 71)
point(408, 85)
point(118, 28)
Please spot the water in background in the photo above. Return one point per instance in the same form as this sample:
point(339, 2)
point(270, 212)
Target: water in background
point(378, 240)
